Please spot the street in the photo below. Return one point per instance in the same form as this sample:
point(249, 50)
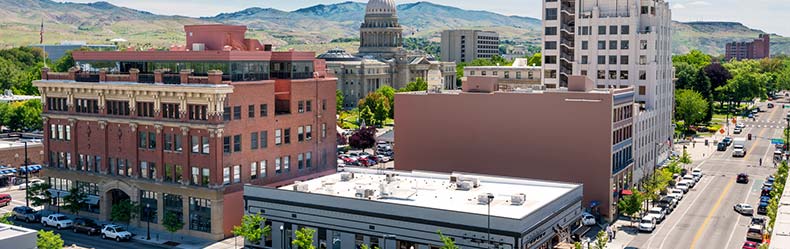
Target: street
point(705, 217)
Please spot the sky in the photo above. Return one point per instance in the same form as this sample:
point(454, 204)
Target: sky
point(759, 14)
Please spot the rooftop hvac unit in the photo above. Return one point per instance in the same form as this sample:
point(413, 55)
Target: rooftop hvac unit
point(346, 176)
point(198, 46)
point(474, 180)
point(390, 177)
point(453, 179)
point(384, 190)
point(301, 187)
point(482, 199)
point(365, 193)
point(466, 186)
point(518, 199)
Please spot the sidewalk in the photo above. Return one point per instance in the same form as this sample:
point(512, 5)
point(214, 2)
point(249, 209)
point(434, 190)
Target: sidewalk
point(163, 238)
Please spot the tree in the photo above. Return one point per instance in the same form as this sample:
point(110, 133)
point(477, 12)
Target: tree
point(601, 239)
point(39, 194)
point(389, 92)
point(448, 242)
point(74, 201)
point(6, 219)
point(172, 222)
point(630, 204)
point(418, 85)
point(690, 107)
point(124, 211)
point(535, 60)
point(695, 58)
point(49, 240)
point(718, 76)
point(577, 245)
point(685, 158)
point(67, 61)
point(339, 98)
point(304, 238)
point(363, 138)
point(366, 114)
point(252, 228)
point(378, 104)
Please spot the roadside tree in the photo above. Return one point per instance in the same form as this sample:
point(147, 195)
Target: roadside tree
point(74, 201)
point(172, 223)
point(252, 228)
point(304, 238)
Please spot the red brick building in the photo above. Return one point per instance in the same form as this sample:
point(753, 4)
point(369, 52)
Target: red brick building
point(182, 131)
point(758, 49)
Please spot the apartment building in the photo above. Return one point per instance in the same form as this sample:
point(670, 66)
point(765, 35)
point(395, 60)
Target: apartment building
point(463, 45)
point(523, 133)
point(617, 43)
point(757, 49)
point(182, 131)
point(405, 209)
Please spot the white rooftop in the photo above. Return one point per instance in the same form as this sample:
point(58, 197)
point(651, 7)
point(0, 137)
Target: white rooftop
point(435, 190)
point(10, 231)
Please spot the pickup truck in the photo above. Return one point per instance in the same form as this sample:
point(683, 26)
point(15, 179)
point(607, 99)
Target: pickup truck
point(58, 221)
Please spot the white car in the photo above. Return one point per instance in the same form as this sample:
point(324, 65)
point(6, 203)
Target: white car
point(58, 221)
point(588, 219)
point(115, 232)
point(740, 126)
point(647, 224)
point(744, 209)
point(689, 180)
point(658, 213)
point(682, 186)
point(383, 158)
point(676, 193)
point(31, 183)
point(697, 174)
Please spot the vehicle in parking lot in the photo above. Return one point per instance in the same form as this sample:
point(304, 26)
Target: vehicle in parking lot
point(383, 158)
point(5, 199)
point(58, 221)
point(31, 183)
point(768, 184)
point(770, 179)
point(115, 232)
point(85, 225)
point(588, 219)
point(744, 209)
point(742, 178)
point(25, 213)
point(766, 191)
point(647, 224)
point(658, 213)
point(750, 245)
point(770, 105)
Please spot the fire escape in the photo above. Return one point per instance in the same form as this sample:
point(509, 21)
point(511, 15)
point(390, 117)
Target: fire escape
point(567, 39)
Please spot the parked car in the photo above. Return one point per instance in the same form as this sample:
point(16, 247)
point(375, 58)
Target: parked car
point(383, 158)
point(744, 209)
point(750, 245)
point(669, 203)
point(770, 105)
point(5, 199)
point(647, 224)
point(31, 183)
point(88, 226)
point(742, 178)
point(588, 219)
point(658, 213)
point(755, 233)
point(697, 173)
point(24, 213)
point(676, 193)
point(682, 185)
point(58, 221)
point(766, 191)
point(721, 146)
point(115, 232)
point(737, 130)
point(689, 180)
point(762, 208)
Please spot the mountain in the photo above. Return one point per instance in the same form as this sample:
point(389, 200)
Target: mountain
point(309, 28)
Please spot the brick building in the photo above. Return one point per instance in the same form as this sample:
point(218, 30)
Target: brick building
point(182, 131)
point(758, 49)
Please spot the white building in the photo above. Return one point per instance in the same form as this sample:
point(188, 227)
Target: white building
point(17, 237)
point(516, 76)
point(396, 209)
point(617, 43)
point(466, 45)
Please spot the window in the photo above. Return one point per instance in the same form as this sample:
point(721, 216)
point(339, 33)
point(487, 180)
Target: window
point(601, 60)
point(148, 203)
point(625, 29)
point(323, 130)
point(263, 168)
point(277, 168)
point(645, 9)
point(613, 45)
point(551, 31)
point(152, 140)
point(168, 142)
point(118, 108)
point(584, 72)
point(287, 163)
point(225, 175)
point(642, 90)
point(226, 144)
point(86, 105)
point(205, 146)
point(173, 204)
point(309, 106)
point(551, 13)
point(195, 176)
point(145, 109)
point(624, 60)
point(642, 60)
point(550, 45)
point(168, 172)
point(171, 111)
point(613, 30)
point(264, 110)
point(251, 111)
point(60, 132)
point(601, 74)
point(237, 143)
point(264, 139)
point(585, 45)
point(612, 74)
point(236, 112)
point(205, 177)
point(198, 112)
point(278, 137)
point(300, 161)
point(226, 114)
point(642, 75)
point(68, 132)
point(253, 170)
point(584, 59)
point(624, 44)
point(199, 214)
point(550, 59)
point(613, 59)
point(601, 45)
point(253, 140)
point(287, 136)
point(308, 159)
point(323, 105)
point(237, 174)
point(144, 169)
point(624, 75)
point(601, 30)
point(301, 107)
point(195, 144)
point(643, 44)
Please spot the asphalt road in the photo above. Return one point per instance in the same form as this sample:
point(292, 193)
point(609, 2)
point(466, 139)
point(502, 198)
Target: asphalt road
point(705, 217)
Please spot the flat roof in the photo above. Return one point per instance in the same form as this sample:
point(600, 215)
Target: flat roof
point(436, 191)
point(10, 231)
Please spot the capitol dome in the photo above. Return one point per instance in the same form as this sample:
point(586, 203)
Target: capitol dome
point(380, 6)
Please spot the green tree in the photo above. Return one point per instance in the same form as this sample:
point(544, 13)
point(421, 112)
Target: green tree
point(379, 105)
point(124, 211)
point(535, 60)
point(339, 98)
point(577, 245)
point(381, 112)
point(418, 85)
point(366, 115)
point(601, 239)
point(685, 158)
point(172, 222)
point(690, 107)
point(448, 242)
point(74, 201)
point(695, 58)
point(49, 240)
point(6, 219)
point(252, 228)
point(67, 61)
point(39, 194)
point(630, 204)
point(304, 238)
point(389, 92)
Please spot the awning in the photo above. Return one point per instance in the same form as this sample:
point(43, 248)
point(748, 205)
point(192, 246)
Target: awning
point(58, 193)
point(626, 192)
point(7, 170)
point(31, 168)
point(92, 199)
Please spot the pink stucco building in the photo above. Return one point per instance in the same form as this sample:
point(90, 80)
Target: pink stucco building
point(581, 135)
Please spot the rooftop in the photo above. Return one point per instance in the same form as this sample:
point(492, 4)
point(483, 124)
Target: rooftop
point(10, 231)
point(513, 198)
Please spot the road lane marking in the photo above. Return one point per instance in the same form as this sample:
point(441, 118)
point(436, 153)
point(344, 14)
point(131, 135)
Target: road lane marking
point(738, 221)
point(754, 144)
point(708, 180)
point(711, 213)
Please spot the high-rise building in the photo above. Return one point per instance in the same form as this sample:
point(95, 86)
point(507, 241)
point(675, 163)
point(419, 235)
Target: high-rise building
point(465, 45)
point(758, 49)
point(181, 131)
point(617, 43)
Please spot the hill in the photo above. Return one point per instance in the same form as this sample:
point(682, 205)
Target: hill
point(308, 28)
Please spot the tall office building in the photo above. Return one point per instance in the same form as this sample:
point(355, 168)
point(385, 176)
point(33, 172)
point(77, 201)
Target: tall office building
point(467, 45)
point(617, 43)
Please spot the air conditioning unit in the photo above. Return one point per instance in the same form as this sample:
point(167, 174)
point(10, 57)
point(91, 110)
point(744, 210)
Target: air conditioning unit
point(198, 46)
point(390, 177)
point(346, 176)
point(463, 185)
point(474, 180)
point(384, 190)
point(482, 199)
point(365, 193)
point(518, 199)
point(301, 187)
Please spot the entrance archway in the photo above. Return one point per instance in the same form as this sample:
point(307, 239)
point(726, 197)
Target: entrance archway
point(115, 196)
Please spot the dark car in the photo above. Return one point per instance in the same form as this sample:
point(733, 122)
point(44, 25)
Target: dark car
point(765, 198)
point(742, 178)
point(83, 225)
point(25, 213)
point(762, 208)
point(721, 146)
point(727, 140)
point(766, 191)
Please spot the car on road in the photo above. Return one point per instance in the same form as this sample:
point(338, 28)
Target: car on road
point(58, 221)
point(85, 225)
point(744, 209)
point(727, 140)
point(31, 183)
point(676, 193)
point(770, 105)
point(721, 146)
point(5, 199)
point(647, 224)
point(658, 213)
point(115, 232)
point(682, 186)
point(739, 147)
point(750, 245)
point(25, 213)
point(740, 126)
point(588, 219)
point(755, 233)
point(742, 178)
point(737, 130)
point(690, 180)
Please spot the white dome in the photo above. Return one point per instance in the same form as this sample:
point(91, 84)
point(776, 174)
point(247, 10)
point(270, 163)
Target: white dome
point(381, 6)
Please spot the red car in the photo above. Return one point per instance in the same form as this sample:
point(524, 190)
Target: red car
point(5, 199)
point(750, 245)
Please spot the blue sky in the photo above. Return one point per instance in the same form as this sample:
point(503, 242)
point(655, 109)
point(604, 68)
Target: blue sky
point(759, 14)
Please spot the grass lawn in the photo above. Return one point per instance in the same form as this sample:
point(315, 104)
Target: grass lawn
point(348, 120)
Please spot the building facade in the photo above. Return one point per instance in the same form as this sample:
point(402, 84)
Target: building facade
point(182, 131)
point(517, 76)
point(617, 44)
point(399, 209)
point(757, 49)
point(382, 60)
point(465, 45)
point(515, 133)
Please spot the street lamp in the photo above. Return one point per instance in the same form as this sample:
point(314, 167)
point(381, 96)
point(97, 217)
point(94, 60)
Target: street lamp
point(490, 199)
point(27, 176)
point(148, 220)
point(282, 237)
